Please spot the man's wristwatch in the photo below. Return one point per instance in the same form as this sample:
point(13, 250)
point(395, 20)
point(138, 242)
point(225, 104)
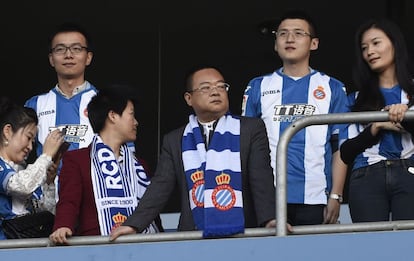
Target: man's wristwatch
point(337, 197)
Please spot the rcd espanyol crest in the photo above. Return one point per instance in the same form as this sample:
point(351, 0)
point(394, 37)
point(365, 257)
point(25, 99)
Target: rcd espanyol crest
point(223, 196)
point(197, 192)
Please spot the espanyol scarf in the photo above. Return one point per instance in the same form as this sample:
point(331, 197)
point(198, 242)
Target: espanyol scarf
point(117, 187)
point(214, 177)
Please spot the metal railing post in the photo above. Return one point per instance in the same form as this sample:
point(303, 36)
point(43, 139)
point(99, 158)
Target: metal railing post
point(281, 152)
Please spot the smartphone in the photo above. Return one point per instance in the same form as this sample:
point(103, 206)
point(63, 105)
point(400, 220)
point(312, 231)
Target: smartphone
point(62, 149)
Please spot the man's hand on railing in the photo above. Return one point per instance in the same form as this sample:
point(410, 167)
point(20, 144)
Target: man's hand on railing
point(331, 212)
point(272, 223)
point(121, 230)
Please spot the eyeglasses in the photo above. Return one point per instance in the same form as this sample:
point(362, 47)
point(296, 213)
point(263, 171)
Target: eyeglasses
point(297, 33)
point(74, 49)
point(208, 88)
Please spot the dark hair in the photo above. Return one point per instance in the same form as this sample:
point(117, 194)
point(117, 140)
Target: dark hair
point(299, 14)
point(70, 27)
point(17, 116)
point(193, 70)
point(366, 81)
point(102, 103)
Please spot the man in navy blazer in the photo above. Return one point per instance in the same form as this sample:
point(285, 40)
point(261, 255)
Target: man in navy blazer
point(206, 93)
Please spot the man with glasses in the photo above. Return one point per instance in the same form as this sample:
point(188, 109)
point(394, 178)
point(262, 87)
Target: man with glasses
point(220, 163)
point(315, 172)
point(64, 106)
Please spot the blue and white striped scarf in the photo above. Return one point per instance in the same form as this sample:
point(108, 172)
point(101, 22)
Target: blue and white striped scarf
point(214, 177)
point(117, 187)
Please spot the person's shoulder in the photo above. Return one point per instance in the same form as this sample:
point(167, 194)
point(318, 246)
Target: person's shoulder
point(331, 78)
point(255, 84)
point(31, 102)
point(245, 120)
point(3, 165)
point(175, 132)
point(80, 157)
point(260, 78)
point(353, 95)
point(91, 87)
point(82, 153)
point(173, 137)
point(251, 126)
point(33, 99)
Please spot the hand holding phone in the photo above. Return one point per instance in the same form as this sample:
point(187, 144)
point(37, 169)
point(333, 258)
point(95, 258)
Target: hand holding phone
point(62, 149)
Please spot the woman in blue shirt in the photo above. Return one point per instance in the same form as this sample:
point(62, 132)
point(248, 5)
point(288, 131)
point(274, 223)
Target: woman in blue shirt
point(382, 153)
point(19, 186)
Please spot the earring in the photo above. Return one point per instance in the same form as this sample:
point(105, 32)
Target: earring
point(6, 143)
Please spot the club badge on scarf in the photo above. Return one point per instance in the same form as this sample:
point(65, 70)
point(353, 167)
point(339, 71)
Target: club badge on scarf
point(214, 177)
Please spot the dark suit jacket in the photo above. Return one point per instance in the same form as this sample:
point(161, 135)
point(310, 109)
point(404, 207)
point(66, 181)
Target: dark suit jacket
point(257, 178)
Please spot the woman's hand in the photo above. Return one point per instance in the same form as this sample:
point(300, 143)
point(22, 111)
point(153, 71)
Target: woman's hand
point(387, 125)
point(60, 235)
point(396, 112)
point(51, 173)
point(52, 142)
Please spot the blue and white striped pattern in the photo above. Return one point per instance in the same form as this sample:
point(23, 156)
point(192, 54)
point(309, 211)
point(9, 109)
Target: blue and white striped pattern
point(54, 110)
point(222, 156)
point(280, 100)
point(117, 187)
point(392, 145)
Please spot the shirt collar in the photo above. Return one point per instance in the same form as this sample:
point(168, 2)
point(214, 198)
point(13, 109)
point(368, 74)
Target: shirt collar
point(76, 90)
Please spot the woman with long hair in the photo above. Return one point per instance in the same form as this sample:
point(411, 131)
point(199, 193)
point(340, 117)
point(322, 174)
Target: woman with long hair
point(381, 153)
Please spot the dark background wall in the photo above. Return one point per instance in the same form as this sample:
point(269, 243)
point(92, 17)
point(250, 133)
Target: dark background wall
point(150, 45)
